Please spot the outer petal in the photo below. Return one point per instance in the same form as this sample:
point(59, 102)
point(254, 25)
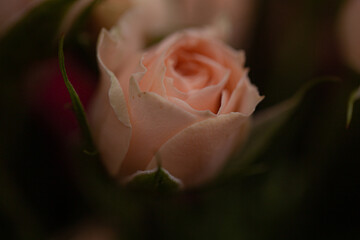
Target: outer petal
point(110, 119)
point(154, 120)
point(110, 123)
point(196, 154)
point(120, 53)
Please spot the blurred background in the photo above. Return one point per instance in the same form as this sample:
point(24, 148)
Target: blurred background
point(303, 184)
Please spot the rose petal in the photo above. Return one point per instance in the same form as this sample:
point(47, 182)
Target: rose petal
point(199, 91)
point(208, 98)
point(224, 100)
point(154, 121)
point(110, 109)
point(206, 72)
point(234, 60)
point(154, 60)
point(119, 55)
point(187, 71)
point(151, 77)
point(201, 114)
point(244, 98)
point(193, 156)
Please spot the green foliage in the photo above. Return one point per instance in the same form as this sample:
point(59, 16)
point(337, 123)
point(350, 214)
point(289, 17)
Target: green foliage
point(33, 37)
point(354, 96)
point(76, 103)
point(16, 209)
point(266, 124)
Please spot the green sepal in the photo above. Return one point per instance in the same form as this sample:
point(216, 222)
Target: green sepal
point(265, 126)
point(354, 96)
point(157, 180)
point(76, 104)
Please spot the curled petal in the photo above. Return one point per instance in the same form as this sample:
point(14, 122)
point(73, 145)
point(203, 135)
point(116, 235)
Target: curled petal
point(206, 98)
point(243, 99)
point(110, 109)
point(110, 105)
point(118, 54)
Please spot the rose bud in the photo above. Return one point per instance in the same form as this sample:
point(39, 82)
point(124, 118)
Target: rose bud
point(349, 33)
point(185, 102)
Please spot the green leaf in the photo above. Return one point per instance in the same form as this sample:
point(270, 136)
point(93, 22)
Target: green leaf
point(266, 125)
point(354, 96)
point(157, 180)
point(76, 104)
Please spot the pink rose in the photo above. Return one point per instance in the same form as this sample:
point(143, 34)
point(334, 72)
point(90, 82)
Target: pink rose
point(239, 14)
point(187, 104)
point(12, 11)
point(349, 26)
point(170, 15)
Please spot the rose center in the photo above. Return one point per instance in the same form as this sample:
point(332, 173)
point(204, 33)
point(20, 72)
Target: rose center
point(188, 71)
point(187, 68)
